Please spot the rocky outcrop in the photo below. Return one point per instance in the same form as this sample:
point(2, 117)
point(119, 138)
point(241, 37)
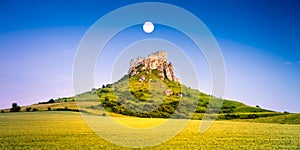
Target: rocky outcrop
point(157, 60)
point(168, 92)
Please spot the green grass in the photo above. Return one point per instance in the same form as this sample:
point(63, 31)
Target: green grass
point(282, 119)
point(147, 99)
point(67, 130)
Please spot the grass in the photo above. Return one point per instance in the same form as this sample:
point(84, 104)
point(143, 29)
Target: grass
point(147, 99)
point(281, 119)
point(67, 130)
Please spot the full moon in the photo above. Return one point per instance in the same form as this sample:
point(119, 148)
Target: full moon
point(148, 27)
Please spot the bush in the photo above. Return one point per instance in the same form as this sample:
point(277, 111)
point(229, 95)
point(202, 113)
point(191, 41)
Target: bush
point(231, 116)
point(49, 108)
point(34, 109)
point(108, 85)
point(106, 99)
point(151, 101)
point(28, 109)
point(252, 116)
point(200, 110)
point(68, 109)
point(227, 111)
point(43, 102)
point(103, 114)
point(15, 108)
point(51, 101)
point(2, 111)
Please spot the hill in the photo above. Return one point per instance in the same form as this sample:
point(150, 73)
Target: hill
point(151, 90)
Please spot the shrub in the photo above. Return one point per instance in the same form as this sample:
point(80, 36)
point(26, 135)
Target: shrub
point(188, 95)
point(103, 114)
point(106, 99)
point(108, 85)
point(15, 108)
point(51, 101)
point(227, 111)
point(104, 91)
point(28, 109)
point(151, 101)
point(200, 111)
point(68, 109)
point(34, 109)
point(49, 108)
point(231, 116)
point(2, 111)
point(43, 102)
point(252, 116)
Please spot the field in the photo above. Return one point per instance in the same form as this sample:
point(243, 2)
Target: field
point(67, 130)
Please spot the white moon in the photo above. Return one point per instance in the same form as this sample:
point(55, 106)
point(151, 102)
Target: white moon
point(148, 27)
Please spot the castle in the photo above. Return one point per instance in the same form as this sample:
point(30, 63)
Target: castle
point(157, 60)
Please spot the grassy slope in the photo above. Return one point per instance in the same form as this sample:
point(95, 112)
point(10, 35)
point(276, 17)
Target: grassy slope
point(67, 130)
point(152, 88)
point(281, 119)
point(149, 94)
point(275, 118)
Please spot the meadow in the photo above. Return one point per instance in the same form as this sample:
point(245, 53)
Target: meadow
point(67, 130)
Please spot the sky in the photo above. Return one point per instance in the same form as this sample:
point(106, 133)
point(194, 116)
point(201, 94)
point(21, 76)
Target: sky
point(259, 40)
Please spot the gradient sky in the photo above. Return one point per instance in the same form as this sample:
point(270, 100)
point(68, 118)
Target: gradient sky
point(259, 41)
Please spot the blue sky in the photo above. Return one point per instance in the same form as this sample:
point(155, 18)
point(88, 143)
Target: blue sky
point(259, 41)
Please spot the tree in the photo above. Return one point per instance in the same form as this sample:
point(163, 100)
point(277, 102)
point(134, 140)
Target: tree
point(51, 101)
point(15, 108)
point(28, 109)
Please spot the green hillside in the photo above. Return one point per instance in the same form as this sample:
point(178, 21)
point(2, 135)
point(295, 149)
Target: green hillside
point(146, 95)
point(148, 99)
point(281, 119)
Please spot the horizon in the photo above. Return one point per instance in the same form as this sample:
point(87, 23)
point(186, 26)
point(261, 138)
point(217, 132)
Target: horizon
point(258, 40)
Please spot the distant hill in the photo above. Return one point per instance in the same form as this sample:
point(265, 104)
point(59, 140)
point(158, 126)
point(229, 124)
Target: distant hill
point(151, 90)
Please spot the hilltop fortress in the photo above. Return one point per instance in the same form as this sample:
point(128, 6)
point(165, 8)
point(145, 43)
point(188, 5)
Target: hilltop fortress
point(157, 60)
